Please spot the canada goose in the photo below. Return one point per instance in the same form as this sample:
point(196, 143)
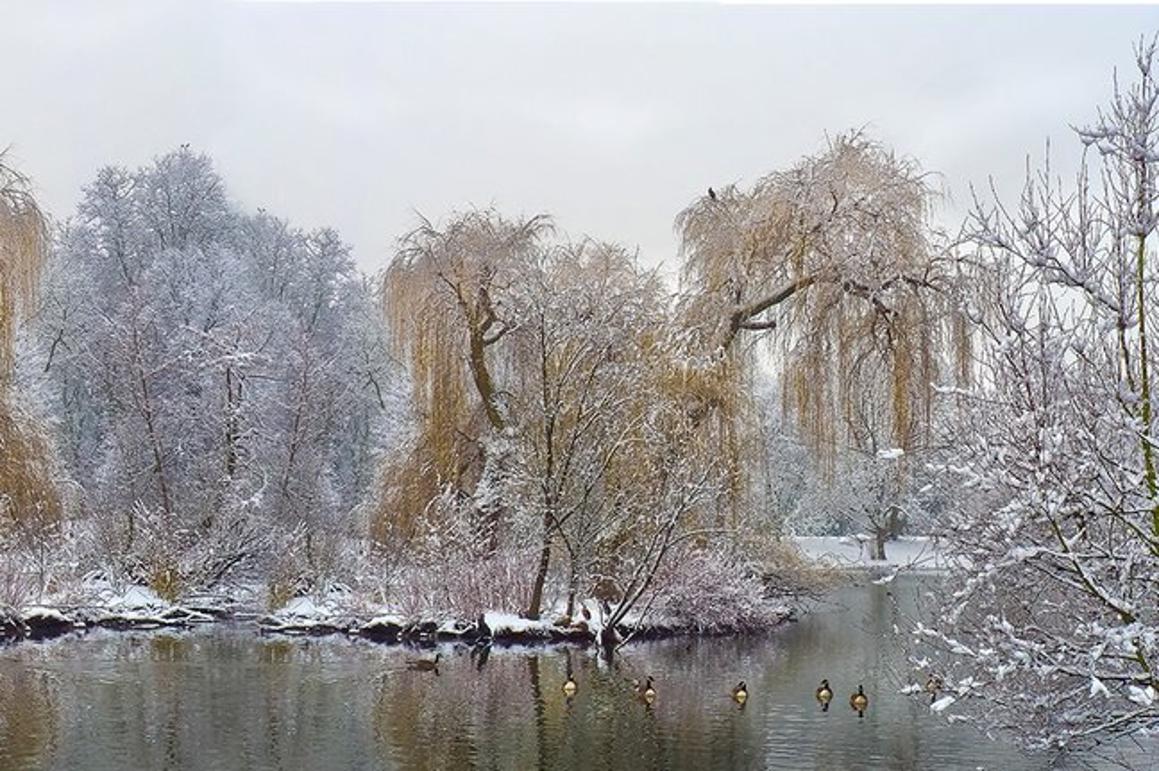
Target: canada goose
point(569, 687)
point(740, 693)
point(425, 665)
point(859, 701)
point(824, 695)
point(712, 193)
point(933, 685)
point(647, 691)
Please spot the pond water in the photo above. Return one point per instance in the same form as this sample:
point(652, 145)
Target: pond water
point(225, 698)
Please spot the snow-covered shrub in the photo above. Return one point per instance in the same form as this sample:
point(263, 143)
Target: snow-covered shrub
point(287, 573)
point(144, 547)
point(17, 584)
point(455, 566)
point(1051, 626)
point(710, 590)
point(314, 561)
point(40, 564)
point(465, 584)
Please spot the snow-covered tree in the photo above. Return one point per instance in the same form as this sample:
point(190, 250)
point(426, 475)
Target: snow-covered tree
point(447, 298)
point(832, 260)
point(218, 376)
point(538, 366)
point(1052, 625)
point(868, 486)
point(586, 313)
point(556, 384)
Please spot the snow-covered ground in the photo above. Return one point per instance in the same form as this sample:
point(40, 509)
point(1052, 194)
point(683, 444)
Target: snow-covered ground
point(305, 614)
point(911, 553)
point(99, 603)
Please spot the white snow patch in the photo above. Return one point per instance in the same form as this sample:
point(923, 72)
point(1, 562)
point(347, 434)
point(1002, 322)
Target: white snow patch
point(453, 626)
point(915, 553)
point(304, 610)
point(304, 614)
point(1144, 697)
point(44, 615)
point(136, 600)
point(510, 623)
point(386, 619)
point(941, 704)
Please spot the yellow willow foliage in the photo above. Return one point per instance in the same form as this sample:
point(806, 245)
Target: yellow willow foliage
point(28, 498)
point(440, 453)
point(23, 246)
point(830, 257)
point(439, 296)
point(716, 425)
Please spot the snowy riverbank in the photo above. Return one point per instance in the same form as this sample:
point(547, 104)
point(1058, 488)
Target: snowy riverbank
point(132, 607)
point(909, 553)
point(138, 607)
point(308, 616)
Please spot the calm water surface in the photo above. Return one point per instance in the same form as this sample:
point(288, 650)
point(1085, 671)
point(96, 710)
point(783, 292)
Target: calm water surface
point(226, 698)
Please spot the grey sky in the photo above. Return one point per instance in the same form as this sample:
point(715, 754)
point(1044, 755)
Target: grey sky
point(609, 117)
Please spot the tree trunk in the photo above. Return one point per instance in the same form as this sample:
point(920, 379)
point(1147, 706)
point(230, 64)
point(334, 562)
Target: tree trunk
point(482, 377)
point(880, 536)
point(295, 440)
point(491, 509)
point(895, 523)
point(231, 432)
point(572, 586)
point(540, 574)
point(1149, 473)
point(146, 407)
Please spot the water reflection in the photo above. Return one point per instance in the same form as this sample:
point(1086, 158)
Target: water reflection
point(225, 698)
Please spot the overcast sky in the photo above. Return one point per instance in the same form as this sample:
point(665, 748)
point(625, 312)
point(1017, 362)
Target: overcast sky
point(609, 117)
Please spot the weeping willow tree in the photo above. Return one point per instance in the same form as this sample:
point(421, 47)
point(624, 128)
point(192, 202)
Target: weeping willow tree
point(444, 296)
point(831, 261)
point(28, 499)
point(531, 359)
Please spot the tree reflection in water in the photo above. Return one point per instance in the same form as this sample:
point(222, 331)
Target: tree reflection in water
point(225, 698)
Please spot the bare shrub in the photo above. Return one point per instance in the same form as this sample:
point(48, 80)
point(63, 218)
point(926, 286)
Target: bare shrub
point(711, 590)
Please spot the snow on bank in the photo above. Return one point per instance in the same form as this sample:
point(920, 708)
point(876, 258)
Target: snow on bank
point(312, 615)
point(41, 621)
point(134, 607)
point(511, 625)
point(305, 615)
point(142, 608)
point(912, 553)
point(340, 612)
